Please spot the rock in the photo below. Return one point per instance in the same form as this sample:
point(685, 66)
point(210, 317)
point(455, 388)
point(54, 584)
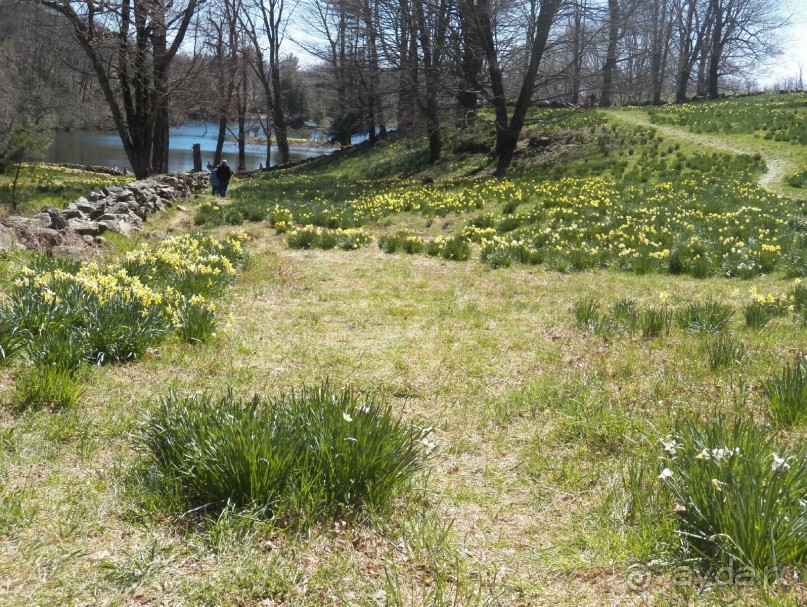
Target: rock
point(118, 226)
point(181, 208)
point(40, 220)
point(73, 214)
point(83, 227)
point(89, 239)
point(57, 220)
point(157, 235)
point(71, 253)
point(8, 240)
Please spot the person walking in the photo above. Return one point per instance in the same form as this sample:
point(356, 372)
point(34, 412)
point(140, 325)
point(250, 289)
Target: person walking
point(215, 182)
point(224, 173)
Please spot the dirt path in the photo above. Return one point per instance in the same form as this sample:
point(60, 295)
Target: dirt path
point(778, 165)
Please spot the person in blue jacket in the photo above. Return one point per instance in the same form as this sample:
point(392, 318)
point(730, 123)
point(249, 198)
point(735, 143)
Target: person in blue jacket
point(215, 182)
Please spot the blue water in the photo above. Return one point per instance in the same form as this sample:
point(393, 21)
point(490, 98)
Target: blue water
point(105, 149)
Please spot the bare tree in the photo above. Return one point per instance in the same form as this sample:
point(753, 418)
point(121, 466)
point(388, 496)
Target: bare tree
point(131, 44)
point(265, 23)
point(508, 127)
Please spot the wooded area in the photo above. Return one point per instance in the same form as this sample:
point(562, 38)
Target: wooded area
point(137, 66)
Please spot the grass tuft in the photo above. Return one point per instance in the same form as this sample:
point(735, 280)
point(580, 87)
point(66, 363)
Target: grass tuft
point(739, 498)
point(786, 394)
point(314, 453)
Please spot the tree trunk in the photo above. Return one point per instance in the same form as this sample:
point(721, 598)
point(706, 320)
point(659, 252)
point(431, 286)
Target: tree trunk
point(716, 48)
point(609, 67)
point(472, 54)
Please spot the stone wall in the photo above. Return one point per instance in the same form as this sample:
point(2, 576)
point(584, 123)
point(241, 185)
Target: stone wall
point(121, 209)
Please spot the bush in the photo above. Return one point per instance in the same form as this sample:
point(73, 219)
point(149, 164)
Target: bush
point(41, 387)
point(787, 394)
point(313, 453)
point(739, 502)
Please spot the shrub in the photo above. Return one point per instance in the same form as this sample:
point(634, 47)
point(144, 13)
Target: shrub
point(51, 387)
point(787, 394)
point(314, 453)
point(739, 502)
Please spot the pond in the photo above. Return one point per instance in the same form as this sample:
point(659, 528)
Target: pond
point(105, 149)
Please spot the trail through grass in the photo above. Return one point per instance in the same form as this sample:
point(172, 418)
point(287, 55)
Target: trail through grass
point(780, 158)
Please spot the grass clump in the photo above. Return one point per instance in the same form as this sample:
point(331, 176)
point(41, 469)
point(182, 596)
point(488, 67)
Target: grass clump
point(740, 503)
point(47, 387)
point(63, 315)
point(723, 350)
point(705, 317)
point(196, 319)
point(317, 452)
point(797, 180)
point(786, 394)
point(12, 338)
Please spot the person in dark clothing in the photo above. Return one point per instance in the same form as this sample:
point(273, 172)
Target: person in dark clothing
point(215, 183)
point(224, 173)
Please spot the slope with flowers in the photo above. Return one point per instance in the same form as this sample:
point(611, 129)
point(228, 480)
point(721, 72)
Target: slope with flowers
point(598, 423)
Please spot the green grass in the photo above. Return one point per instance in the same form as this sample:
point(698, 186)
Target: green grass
point(313, 453)
point(773, 117)
point(741, 495)
point(544, 488)
point(41, 185)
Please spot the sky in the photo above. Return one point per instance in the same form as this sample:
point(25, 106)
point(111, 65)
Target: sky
point(794, 50)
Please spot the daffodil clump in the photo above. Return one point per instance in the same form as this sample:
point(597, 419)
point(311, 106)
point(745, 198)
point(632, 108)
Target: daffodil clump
point(313, 237)
point(697, 228)
point(63, 317)
point(314, 453)
point(739, 495)
point(779, 117)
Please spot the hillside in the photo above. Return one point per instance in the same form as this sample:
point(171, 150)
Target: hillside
point(561, 347)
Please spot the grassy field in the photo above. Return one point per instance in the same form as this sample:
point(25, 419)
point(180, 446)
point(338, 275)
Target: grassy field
point(563, 416)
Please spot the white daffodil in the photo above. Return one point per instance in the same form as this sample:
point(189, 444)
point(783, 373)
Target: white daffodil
point(671, 446)
point(718, 484)
point(665, 474)
point(346, 417)
point(779, 463)
point(703, 455)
